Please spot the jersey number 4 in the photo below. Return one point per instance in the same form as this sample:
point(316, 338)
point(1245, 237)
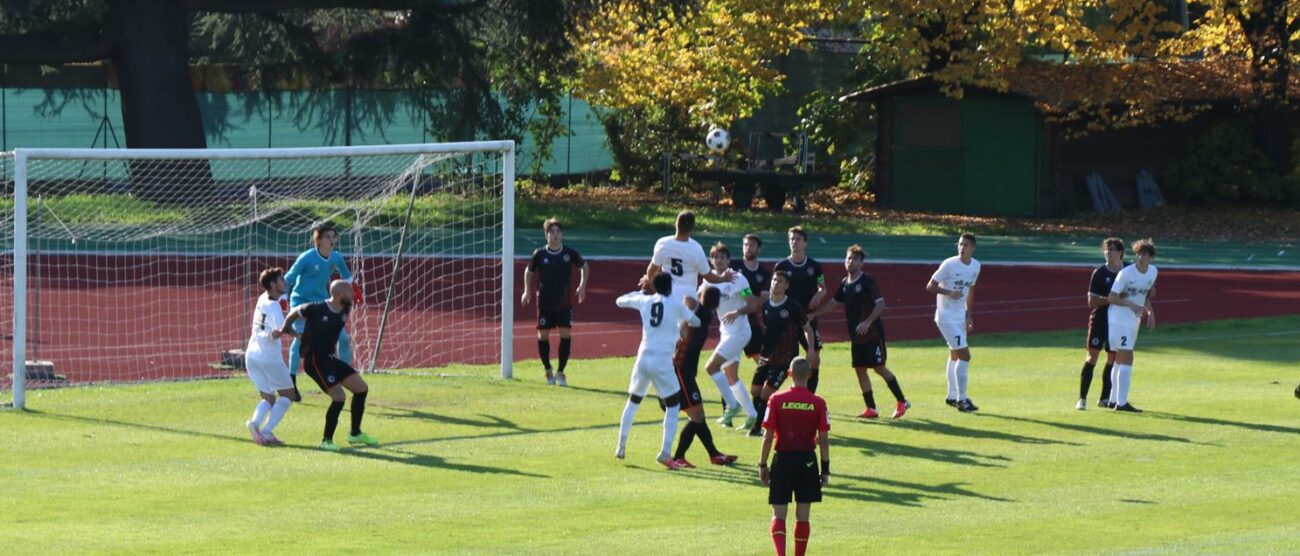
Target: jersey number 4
point(656, 314)
point(677, 269)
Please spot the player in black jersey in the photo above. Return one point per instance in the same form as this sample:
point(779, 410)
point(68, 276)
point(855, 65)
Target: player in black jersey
point(686, 362)
point(323, 321)
point(807, 287)
point(785, 328)
point(863, 306)
point(1098, 330)
point(759, 277)
point(552, 266)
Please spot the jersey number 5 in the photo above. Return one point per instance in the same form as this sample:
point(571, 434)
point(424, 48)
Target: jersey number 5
point(656, 314)
point(677, 269)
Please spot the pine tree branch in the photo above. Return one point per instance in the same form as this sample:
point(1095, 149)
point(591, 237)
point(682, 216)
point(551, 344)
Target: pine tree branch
point(62, 44)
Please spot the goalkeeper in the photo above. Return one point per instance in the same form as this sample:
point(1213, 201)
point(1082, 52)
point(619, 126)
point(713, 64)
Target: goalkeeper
point(308, 281)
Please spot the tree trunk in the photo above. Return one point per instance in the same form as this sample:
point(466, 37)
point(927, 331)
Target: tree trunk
point(1270, 68)
point(151, 56)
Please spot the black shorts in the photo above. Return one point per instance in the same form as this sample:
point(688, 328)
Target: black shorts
point(691, 395)
point(328, 371)
point(1099, 331)
point(548, 318)
point(771, 373)
point(797, 474)
point(817, 338)
point(871, 353)
point(755, 345)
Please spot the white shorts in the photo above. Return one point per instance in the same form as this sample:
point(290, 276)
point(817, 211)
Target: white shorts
point(954, 332)
point(657, 370)
point(731, 347)
point(268, 374)
point(1122, 336)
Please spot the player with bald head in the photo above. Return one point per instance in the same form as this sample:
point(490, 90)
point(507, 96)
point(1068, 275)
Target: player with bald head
point(323, 321)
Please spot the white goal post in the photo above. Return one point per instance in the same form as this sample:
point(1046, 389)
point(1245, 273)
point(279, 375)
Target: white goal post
point(134, 264)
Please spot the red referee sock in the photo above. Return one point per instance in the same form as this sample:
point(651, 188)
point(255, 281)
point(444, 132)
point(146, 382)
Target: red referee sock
point(778, 536)
point(801, 530)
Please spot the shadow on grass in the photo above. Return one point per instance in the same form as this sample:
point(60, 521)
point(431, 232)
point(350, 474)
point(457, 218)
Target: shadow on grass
point(383, 453)
point(1224, 423)
point(846, 487)
point(872, 448)
point(967, 432)
point(1100, 430)
point(488, 421)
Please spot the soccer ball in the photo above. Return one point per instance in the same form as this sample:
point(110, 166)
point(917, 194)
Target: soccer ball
point(718, 140)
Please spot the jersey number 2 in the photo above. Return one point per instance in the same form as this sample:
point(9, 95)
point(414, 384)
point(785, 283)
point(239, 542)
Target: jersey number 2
point(656, 314)
point(677, 267)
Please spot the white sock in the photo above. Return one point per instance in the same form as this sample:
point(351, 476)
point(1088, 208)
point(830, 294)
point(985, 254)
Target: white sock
point(625, 424)
point(259, 412)
point(670, 429)
point(960, 370)
point(1114, 383)
point(952, 380)
point(742, 397)
point(1121, 386)
point(720, 379)
point(277, 412)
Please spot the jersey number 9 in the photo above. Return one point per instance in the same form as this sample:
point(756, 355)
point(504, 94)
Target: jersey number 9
point(656, 314)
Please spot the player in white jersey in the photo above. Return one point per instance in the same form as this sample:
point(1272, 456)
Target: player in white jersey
point(683, 258)
point(1130, 302)
point(954, 288)
point(264, 360)
point(661, 315)
point(737, 302)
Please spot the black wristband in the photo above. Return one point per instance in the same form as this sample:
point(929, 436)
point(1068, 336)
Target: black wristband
point(826, 467)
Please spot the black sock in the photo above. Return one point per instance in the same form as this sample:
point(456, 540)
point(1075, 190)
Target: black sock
point(760, 406)
point(332, 419)
point(812, 380)
point(544, 351)
point(684, 442)
point(1085, 379)
point(358, 410)
point(706, 438)
point(1105, 381)
point(894, 388)
point(564, 352)
point(297, 396)
point(869, 398)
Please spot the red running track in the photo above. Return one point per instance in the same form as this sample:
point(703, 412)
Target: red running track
point(1008, 298)
point(174, 323)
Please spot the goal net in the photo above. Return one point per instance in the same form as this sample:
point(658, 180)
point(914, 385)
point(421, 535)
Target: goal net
point(142, 265)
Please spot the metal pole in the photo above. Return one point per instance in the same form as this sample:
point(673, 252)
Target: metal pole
point(20, 280)
point(568, 151)
point(508, 263)
point(392, 279)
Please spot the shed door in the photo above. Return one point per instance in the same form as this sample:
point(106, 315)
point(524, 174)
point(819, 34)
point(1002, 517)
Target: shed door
point(927, 154)
point(1002, 157)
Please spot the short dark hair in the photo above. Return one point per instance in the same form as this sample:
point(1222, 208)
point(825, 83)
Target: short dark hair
point(711, 298)
point(720, 247)
point(546, 226)
point(800, 368)
point(321, 228)
point(1113, 244)
point(798, 230)
point(971, 237)
point(1145, 246)
point(270, 276)
point(663, 284)
point(754, 238)
point(782, 274)
point(856, 251)
point(685, 221)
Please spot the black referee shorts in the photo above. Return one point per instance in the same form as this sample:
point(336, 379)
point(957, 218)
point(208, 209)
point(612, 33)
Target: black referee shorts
point(328, 371)
point(794, 474)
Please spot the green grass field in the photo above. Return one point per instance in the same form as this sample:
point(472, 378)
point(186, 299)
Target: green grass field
point(473, 464)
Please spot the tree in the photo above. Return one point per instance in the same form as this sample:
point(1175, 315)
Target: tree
point(663, 72)
point(468, 51)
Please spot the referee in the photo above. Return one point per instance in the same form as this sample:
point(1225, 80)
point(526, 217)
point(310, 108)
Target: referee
point(795, 418)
